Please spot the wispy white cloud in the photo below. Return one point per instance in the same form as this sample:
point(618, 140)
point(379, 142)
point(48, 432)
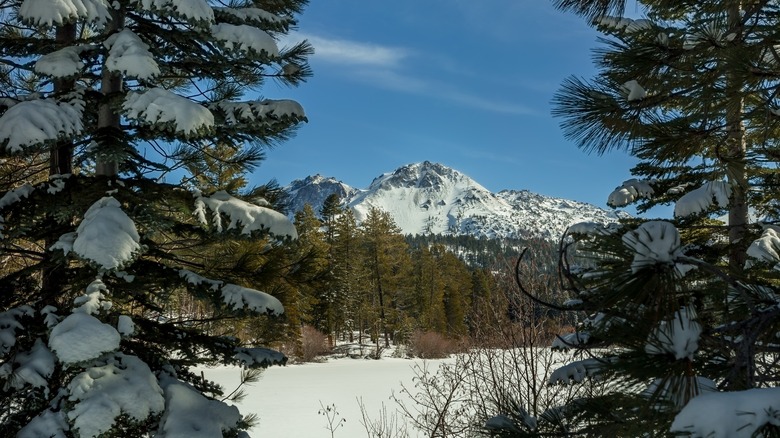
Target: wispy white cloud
point(341, 51)
point(385, 67)
point(398, 81)
point(484, 103)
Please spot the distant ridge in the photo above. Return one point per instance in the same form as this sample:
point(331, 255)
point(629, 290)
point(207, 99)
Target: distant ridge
point(430, 198)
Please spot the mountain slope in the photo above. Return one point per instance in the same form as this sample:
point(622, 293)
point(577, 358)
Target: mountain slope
point(430, 198)
point(313, 190)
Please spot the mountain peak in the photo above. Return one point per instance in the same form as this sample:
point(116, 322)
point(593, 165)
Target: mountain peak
point(424, 175)
point(313, 190)
point(431, 198)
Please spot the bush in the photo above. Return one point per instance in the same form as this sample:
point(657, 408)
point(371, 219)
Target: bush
point(432, 345)
point(313, 344)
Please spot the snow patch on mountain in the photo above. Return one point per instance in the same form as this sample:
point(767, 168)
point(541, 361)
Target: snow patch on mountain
point(313, 190)
point(430, 198)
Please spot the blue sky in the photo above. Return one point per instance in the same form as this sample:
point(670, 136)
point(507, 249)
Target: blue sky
point(467, 83)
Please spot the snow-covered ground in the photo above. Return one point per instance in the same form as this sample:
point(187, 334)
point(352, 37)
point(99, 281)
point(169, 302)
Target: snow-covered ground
point(288, 399)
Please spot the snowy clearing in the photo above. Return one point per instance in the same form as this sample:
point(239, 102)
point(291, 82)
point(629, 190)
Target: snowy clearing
point(287, 399)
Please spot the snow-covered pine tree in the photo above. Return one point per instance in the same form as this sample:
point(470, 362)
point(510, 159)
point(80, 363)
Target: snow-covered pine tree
point(119, 94)
point(683, 313)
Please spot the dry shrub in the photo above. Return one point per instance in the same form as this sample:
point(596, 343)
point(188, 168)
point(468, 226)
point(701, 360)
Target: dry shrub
point(313, 344)
point(432, 345)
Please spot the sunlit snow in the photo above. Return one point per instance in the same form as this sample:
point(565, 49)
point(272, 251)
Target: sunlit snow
point(246, 38)
point(129, 55)
point(49, 12)
point(250, 14)
point(37, 121)
point(81, 337)
point(159, 106)
point(107, 236)
point(61, 63)
point(767, 247)
point(655, 242)
point(713, 193)
point(124, 385)
point(250, 217)
point(194, 10)
point(256, 111)
point(240, 297)
point(630, 191)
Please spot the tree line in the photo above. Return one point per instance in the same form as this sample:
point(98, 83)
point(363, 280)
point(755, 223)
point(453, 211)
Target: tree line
point(367, 282)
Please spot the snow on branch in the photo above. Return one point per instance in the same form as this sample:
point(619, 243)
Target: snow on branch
point(197, 280)
point(49, 12)
point(702, 199)
point(620, 23)
point(251, 217)
point(162, 106)
point(569, 340)
point(15, 195)
point(630, 191)
point(37, 121)
point(653, 243)
point(245, 38)
point(259, 357)
point(11, 197)
point(737, 414)
point(81, 337)
point(192, 10)
point(9, 324)
point(94, 300)
point(767, 247)
point(575, 371)
point(32, 368)
point(678, 390)
point(240, 297)
point(123, 386)
point(251, 14)
point(62, 63)
point(258, 110)
point(48, 424)
point(189, 414)
point(633, 91)
point(129, 55)
point(592, 229)
point(107, 236)
point(679, 337)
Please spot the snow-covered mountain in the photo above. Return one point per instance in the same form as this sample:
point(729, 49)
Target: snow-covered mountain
point(313, 190)
point(430, 198)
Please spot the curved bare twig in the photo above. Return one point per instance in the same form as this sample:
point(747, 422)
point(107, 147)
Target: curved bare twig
point(534, 297)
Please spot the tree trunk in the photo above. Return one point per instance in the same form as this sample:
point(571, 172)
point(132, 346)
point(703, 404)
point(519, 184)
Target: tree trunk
point(61, 156)
point(108, 118)
point(60, 163)
point(380, 292)
point(744, 361)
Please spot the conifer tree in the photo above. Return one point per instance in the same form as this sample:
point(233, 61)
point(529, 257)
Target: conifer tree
point(119, 95)
point(315, 301)
point(348, 272)
point(684, 313)
point(386, 260)
point(428, 289)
